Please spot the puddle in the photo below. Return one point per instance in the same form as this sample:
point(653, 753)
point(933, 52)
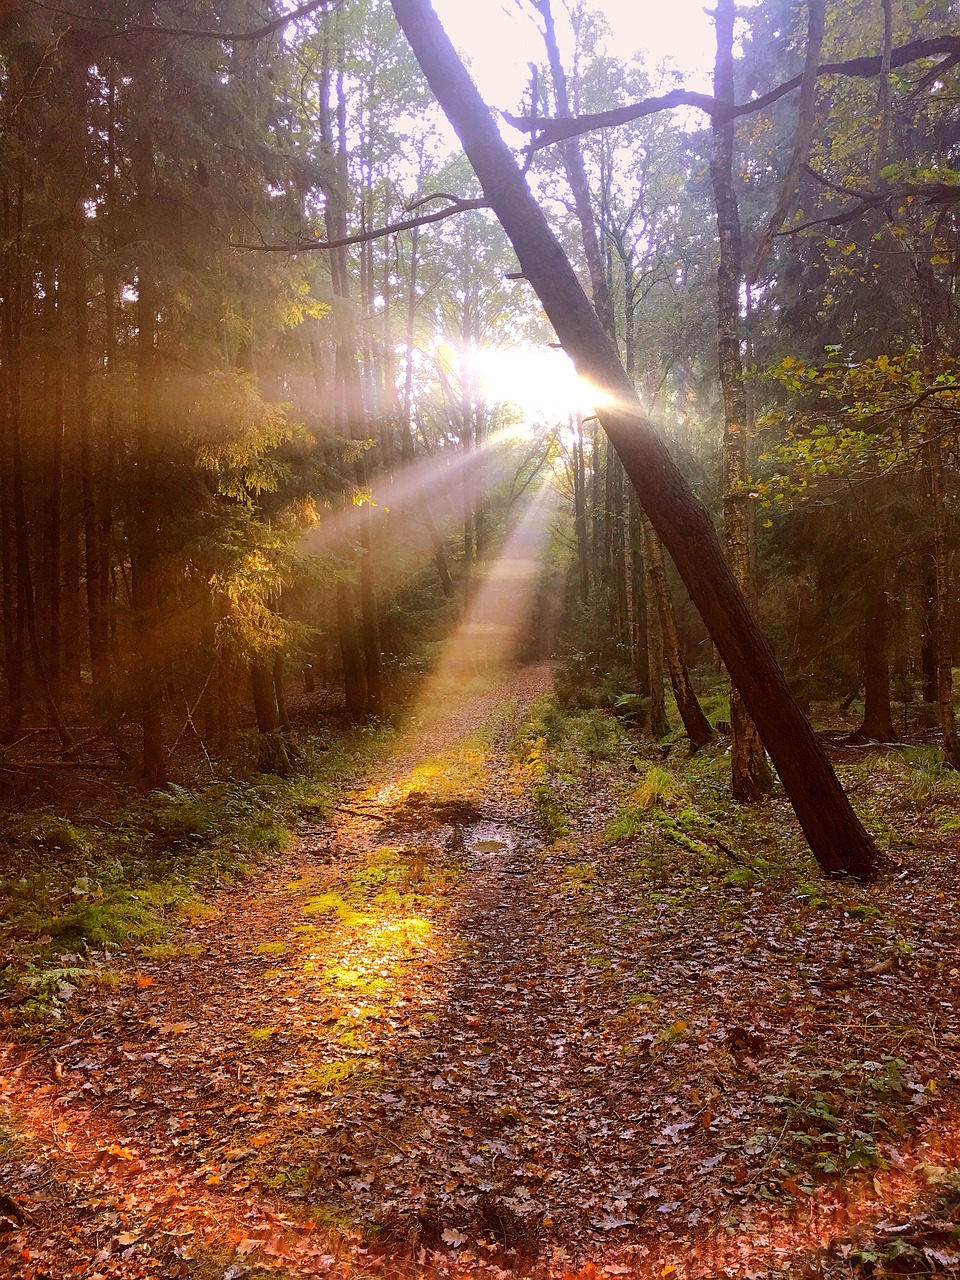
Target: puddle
point(488, 846)
point(488, 840)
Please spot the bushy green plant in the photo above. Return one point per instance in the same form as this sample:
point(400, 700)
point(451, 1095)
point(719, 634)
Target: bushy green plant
point(835, 1119)
point(658, 787)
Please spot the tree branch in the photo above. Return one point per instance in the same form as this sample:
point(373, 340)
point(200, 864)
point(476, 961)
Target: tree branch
point(931, 192)
point(803, 138)
point(549, 132)
point(195, 33)
point(364, 237)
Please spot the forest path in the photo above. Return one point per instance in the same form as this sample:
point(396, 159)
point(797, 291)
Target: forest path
point(425, 1038)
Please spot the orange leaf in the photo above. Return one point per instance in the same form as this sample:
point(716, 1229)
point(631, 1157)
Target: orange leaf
point(144, 980)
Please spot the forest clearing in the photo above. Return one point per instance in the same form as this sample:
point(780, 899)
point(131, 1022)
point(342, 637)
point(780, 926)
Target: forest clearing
point(479, 632)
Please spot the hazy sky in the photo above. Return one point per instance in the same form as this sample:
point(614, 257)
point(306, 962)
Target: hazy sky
point(500, 41)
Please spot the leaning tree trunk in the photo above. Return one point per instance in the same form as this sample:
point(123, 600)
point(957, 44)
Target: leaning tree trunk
point(833, 830)
point(750, 778)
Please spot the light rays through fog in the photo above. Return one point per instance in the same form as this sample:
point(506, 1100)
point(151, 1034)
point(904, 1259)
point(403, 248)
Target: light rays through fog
point(501, 601)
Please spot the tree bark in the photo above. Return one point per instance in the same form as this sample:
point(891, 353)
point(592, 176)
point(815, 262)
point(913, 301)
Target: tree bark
point(695, 723)
point(933, 466)
point(750, 777)
point(659, 725)
point(877, 723)
point(572, 157)
point(580, 513)
point(928, 638)
point(354, 681)
point(833, 830)
point(271, 747)
point(145, 539)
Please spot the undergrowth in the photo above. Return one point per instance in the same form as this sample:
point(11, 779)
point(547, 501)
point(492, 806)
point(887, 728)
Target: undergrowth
point(72, 893)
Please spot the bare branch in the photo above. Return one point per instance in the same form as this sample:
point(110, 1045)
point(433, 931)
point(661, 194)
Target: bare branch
point(364, 237)
point(933, 193)
point(803, 138)
point(549, 132)
point(195, 33)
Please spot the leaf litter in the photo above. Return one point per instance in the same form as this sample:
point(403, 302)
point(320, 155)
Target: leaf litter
point(429, 1039)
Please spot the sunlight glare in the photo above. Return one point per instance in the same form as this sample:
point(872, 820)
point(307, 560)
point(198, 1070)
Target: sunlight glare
point(540, 381)
point(501, 42)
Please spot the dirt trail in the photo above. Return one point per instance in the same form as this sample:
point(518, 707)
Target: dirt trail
point(277, 1055)
point(422, 1039)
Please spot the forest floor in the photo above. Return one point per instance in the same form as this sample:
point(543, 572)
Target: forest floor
point(525, 1001)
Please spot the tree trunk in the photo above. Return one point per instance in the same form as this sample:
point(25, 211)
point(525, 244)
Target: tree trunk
point(439, 555)
point(283, 713)
point(659, 725)
point(695, 723)
point(750, 778)
point(836, 837)
point(580, 514)
point(271, 747)
point(933, 466)
point(354, 681)
point(576, 173)
point(928, 639)
point(638, 599)
point(350, 388)
point(145, 516)
point(13, 628)
point(26, 609)
point(877, 723)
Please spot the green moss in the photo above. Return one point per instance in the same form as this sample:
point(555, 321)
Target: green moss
point(741, 877)
point(327, 1077)
point(334, 905)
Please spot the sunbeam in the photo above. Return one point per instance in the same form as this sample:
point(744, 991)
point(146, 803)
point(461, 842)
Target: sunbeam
point(502, 598)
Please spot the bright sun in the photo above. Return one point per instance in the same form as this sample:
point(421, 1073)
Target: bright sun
point(540, 381)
